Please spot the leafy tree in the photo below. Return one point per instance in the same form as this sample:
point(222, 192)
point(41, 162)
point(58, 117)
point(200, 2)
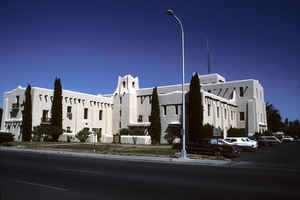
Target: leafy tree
point(27, 116)
point(46, 131)
point(1, 111)
point(293, 128)
point(56, 110)
point(195, 109)
point(273, 118)
point(155, 126)
point(83, 135)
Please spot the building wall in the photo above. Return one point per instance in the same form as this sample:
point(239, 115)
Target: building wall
point(223, 102)
point(42, 100)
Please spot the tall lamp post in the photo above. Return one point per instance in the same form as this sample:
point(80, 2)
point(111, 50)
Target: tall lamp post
point(183, 151)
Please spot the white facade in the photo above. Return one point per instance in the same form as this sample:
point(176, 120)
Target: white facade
point(226, 104)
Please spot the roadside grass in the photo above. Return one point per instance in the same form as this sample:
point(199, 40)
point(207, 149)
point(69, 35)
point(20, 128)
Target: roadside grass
point(118, 149)
point(162, 150)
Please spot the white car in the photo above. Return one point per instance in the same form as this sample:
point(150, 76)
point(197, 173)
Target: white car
point(243, 142)
point(287, 139)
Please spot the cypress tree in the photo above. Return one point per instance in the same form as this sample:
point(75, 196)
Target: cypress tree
point(1, 111)
point(27, 116)
point(155, 126)
point(56, 110)
point(195, 109)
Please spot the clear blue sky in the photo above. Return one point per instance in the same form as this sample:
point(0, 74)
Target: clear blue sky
point(89, 43)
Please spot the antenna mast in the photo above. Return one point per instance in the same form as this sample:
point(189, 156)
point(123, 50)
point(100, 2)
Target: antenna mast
point(208, 57)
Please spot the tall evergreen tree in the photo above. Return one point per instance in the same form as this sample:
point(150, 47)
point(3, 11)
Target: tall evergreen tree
point(195, 110)
point(273, 118)
point(56, 110)
point(1, 111)
point(27, 116)
point(155, 126)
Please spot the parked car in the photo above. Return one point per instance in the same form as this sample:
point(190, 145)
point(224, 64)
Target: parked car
point(211, 147)
point(268, 140)
point(243, 142)
point(287, 139)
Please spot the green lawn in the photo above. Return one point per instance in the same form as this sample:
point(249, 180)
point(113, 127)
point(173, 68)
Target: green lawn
point(114, 149)
point(119, 149)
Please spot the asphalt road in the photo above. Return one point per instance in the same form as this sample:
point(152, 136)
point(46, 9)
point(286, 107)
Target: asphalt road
point(37, 176)
point(285, 155)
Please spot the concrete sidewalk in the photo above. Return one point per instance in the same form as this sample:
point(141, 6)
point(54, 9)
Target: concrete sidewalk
point(165, 160)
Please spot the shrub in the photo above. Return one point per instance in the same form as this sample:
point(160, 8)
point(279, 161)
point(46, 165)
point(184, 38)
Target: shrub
point(49, 132)
point(6, 137)
point(134, 139)
point(236, 132)
point(124, 131)
point(83, 135)
point(172, 133)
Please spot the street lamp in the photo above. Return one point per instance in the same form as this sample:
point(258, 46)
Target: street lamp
point(183, 151)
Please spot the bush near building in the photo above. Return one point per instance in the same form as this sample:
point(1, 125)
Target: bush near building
point(6, 137)
point(46, 132)
point(173, 132)
point(236, 132)
point(83, 135)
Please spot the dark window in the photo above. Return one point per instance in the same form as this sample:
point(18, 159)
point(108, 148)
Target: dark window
point(242, 116)
point(85, 113)
point(120, 113)
point(124, 83)
point(241, 91)
point(68, 129)
point(69, 109)
point(133, 84)
point(140, 119)
point(18, 99)
point(45, 114)
point(141, 100)
point(100, 114)
point(165, 110)
point(209, 91)
point(149, 118)
point(150, 99)
point(176, 109)
point(119, 124)
point(218, 114)
point(225, 113)
point(208, 109)
point(120, 100)
point(231, 115)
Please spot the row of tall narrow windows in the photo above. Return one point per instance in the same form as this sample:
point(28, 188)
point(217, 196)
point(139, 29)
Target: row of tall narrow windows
point(242, 91)
point(232, 113)
point(75, 100)
point(45, 115)
point(86, 114)
point(165, 109)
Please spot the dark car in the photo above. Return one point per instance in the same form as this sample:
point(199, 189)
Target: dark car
point(210, 147)
point(267, 140)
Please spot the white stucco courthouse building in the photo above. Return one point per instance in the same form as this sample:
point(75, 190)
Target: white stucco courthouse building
point(238, 104)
